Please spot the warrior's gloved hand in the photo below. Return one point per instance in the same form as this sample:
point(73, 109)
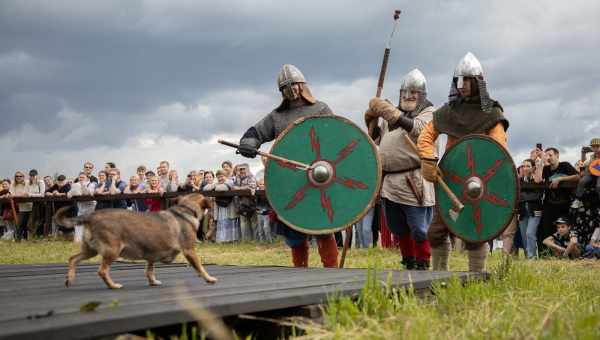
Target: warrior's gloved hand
point(374, 132)
point(247, 150)
point(370, 116)
point(429, 169)
point(384, 109)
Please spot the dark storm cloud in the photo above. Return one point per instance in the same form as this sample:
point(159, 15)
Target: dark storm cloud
point(196, 69)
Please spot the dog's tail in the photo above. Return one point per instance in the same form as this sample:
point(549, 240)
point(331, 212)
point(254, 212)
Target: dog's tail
point(60, 218)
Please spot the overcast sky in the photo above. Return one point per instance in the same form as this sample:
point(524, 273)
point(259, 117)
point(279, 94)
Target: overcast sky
point(136, 82)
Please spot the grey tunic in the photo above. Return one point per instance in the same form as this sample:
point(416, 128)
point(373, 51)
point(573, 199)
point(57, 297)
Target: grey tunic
point(271, 126)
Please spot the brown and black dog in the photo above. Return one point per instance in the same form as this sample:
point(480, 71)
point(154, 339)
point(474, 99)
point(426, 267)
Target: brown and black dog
point(154, 237)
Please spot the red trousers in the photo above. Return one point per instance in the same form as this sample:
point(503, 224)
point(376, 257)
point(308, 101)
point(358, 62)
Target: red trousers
point(327, 250)
point(421, 251)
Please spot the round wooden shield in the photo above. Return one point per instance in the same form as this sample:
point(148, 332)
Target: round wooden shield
point(342, 183)
point(482, 174)
point(594, 167)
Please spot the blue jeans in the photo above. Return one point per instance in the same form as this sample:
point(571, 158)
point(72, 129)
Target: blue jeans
point(363, 230)
point(403, 219)
point(528, 226)
point(591, 251)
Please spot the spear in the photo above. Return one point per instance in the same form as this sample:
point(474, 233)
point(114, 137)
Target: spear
point(386, 55)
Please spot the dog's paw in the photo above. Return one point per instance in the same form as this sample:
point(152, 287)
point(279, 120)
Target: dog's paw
point(155, 283)
point(211, 279)
point(116, 286)
point(67, 283)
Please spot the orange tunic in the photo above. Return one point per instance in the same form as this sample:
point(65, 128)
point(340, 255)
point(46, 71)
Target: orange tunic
point(427, 138)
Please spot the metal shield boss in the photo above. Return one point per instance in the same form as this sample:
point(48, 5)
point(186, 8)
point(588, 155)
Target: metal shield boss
point(482, 174)
point(341, 185)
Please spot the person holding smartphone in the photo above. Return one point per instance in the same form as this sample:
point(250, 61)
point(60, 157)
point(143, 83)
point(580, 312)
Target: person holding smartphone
point(587, 178)
point(530, 207)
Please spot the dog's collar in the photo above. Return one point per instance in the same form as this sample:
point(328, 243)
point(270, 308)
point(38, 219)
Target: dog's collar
point(192, 211)
point(195, 221)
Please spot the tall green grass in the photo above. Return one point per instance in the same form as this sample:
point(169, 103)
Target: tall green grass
point(548, 299)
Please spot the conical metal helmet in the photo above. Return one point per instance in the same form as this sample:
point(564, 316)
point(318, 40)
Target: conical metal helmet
point(468, 66)
point(414, 81)
point(288, 75)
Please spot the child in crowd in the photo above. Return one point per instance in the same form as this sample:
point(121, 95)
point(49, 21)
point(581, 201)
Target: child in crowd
point(593, 248)
point(7, 218)
point(83, 187)
point(263, 209)
point(587, 177)
point(563, 243)
point(228, 230)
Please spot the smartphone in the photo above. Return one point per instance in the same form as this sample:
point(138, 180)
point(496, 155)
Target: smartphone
point(539, 146)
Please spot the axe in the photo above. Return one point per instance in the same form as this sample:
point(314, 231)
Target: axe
point(457, 205)
point(292, 163)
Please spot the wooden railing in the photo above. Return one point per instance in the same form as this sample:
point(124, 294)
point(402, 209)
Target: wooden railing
point(167, 198)
point(113, 197)
point(47, 202)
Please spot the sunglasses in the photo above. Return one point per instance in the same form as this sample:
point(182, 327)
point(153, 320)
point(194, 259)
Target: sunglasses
point(19, 176)
point(88, 167)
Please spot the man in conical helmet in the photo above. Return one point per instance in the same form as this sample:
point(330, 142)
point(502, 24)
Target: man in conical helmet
point(469, 110)
point(408, 199)
point(298, 102)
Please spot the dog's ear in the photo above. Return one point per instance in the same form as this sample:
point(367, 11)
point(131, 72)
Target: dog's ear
point(205, 203)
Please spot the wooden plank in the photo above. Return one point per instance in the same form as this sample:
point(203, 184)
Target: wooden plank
point(239, 290)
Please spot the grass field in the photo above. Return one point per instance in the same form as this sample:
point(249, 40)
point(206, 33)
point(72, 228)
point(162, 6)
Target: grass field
point(541, 299)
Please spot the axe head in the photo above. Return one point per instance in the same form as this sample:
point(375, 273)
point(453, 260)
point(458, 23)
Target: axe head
point(453, 214)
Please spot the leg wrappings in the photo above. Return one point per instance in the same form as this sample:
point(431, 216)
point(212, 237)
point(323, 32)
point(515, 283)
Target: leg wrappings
point(423, 251)
point(478, 257)
point(328, 251)
point(439, 256)
point(407, 245)
point(300, 254)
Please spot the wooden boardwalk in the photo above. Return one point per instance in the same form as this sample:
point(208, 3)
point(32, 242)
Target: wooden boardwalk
point(35, 303)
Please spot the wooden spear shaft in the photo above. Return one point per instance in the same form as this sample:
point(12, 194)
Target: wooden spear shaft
point(386, 56)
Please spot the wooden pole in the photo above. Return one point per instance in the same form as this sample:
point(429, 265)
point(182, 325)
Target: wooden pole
point(386, 56)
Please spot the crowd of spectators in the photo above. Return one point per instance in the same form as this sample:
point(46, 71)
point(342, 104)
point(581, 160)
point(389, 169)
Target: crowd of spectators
point(232, 218)
point(553, 221)
point(558, 221)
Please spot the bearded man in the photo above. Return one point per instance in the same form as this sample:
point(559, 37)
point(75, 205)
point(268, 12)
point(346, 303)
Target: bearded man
point(298, 102)
point(469, 110)
point(408, 199)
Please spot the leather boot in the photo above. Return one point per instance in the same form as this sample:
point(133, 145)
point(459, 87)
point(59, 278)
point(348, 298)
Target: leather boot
point(422, 265)
point(409, 262)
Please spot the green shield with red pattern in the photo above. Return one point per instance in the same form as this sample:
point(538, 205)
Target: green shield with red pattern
point(341, 184)
point(482, 174)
